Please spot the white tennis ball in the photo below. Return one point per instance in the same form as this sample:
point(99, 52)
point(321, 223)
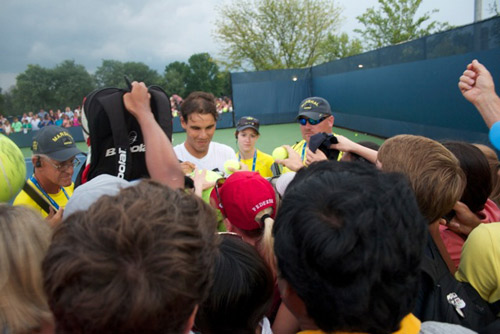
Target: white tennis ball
point(233, 164)
point(12, 169)
point(280, 153)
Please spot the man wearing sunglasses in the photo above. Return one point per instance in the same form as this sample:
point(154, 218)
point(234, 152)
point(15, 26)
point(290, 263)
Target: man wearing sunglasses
point(53, 159)
point(315, 116)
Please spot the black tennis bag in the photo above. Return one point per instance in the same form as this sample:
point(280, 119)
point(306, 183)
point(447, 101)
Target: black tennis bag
point(113, 135)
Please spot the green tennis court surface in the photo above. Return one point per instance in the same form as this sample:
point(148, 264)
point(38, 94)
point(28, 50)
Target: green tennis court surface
point(271, 136)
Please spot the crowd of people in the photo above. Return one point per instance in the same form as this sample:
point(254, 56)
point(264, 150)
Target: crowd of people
point(35, 121)
point(335, 237)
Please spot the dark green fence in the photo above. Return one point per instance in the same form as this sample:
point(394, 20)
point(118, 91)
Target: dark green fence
point(407, 88)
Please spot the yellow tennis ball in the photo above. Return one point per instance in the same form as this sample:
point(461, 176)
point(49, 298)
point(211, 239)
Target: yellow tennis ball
point(12, 169)
point(235, 164)
point(280, 153)
point(210, 176)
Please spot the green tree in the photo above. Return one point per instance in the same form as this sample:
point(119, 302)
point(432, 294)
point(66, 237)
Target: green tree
point(111, 73)
point(141, 72)
point(224, 79)
point(175, 78)
point(34, 90)
point(395, 22)
point(274, 34)
point(339, 46)
point(494, 7)
point(71, 84)
point(2, 103)
point(203, 74)
point(7, 107)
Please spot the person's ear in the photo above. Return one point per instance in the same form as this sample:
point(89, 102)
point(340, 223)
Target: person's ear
point(36, 161)
point(331, 120)
point(183, 123)
point(190, 321)
point(228, 225)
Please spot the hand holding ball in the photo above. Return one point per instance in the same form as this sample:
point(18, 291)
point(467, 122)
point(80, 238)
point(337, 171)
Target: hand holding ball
point(207, 184)
point(280, 153)
point(234, 164)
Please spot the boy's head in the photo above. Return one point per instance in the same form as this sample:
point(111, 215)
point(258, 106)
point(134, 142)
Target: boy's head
point(433, 171)
point(345, 246)
point(242, 290)
point(138, 262)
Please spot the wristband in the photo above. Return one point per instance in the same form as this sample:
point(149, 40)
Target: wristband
point(495, 135)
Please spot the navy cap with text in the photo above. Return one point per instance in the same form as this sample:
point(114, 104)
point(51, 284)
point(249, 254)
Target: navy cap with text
point(54, 142)
point(315, 108)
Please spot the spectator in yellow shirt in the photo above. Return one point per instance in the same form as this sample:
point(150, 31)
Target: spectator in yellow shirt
point(247, 134)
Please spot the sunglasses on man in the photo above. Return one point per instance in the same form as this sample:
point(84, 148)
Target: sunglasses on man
point(304, 120)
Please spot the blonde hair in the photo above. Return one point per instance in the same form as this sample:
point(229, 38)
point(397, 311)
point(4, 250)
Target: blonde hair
point(265, 245)
point(24, 240)
point(433, 171)
point(262, 238)
point(492, 158)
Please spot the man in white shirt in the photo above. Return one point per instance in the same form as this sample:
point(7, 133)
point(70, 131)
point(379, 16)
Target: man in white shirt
point(35, 121)
point(199, 118)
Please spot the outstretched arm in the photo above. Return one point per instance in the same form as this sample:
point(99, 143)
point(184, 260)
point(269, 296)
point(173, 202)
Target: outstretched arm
point(347, 145)
point(476, 85)
point(161, 160)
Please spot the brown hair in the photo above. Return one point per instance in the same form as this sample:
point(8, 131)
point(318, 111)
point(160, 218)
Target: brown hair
point(433, 171)
point(24, 240)
point(198, 102)
point(477, 174)
point(494, 164)
point(138, 262)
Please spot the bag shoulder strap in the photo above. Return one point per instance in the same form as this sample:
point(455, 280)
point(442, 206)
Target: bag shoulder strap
point(495, 307)
point(113, 106)
point(161, 99)
point(35, 196)
point(90, 99)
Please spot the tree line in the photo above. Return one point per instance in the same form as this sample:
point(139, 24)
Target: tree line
point(253, 35)
point(275, 34)
point(67, 83)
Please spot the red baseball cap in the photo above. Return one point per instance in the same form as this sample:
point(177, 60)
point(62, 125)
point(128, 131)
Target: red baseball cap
point(243, 195)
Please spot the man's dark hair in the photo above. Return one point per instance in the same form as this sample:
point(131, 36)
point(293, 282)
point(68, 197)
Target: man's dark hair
point(349, 241)
point(198, 102)
point(477, 172)
point(138, 262)
point(241, 293)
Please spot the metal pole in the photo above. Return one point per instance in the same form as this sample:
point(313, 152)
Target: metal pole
point(478, 10)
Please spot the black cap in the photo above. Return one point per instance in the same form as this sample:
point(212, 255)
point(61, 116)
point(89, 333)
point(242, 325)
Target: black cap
point(315, 108)
point(247, 122)
point(54, 142)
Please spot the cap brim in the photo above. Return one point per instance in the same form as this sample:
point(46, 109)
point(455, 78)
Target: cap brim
point(88, 193)
point(65, 154)
point(314, 115)
point(241, 128)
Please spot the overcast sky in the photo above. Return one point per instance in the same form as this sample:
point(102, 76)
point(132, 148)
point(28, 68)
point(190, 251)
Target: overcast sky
point(155, 32)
